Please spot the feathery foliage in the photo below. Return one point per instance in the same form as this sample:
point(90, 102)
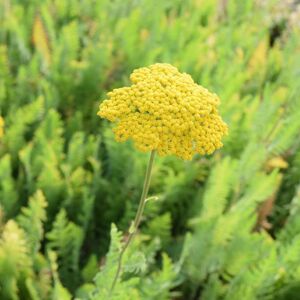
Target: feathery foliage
point(218, 227)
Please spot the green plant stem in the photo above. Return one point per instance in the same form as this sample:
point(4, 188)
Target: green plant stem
point(137, 220)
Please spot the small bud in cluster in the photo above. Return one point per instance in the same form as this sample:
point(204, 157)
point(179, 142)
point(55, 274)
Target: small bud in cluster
point(165, 110)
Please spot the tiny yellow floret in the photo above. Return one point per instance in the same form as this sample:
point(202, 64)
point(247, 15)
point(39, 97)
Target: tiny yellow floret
point(165, 110)
point(1, 126)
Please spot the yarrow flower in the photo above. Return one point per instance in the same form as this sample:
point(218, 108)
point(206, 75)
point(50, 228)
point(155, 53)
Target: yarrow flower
point(165, 110)
point(1, 126)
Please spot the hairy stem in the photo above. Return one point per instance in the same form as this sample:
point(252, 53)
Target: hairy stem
point(137, 220)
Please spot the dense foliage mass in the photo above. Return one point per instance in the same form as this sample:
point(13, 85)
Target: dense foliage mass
point(225, 226)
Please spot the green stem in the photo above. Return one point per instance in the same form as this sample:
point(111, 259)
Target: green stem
point(137, 220)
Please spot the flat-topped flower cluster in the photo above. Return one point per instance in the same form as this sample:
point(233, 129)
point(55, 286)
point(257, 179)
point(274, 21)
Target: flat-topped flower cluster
point(165, 110)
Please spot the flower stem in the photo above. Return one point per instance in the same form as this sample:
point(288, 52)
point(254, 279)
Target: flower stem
point(137, 220)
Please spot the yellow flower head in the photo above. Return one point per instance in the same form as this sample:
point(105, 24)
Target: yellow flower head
point(1, 126)
point(165, 110)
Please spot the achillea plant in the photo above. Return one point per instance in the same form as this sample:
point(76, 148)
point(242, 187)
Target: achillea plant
point(163, 111)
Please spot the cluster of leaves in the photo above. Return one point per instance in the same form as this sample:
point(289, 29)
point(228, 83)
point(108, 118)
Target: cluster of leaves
point(223, 227)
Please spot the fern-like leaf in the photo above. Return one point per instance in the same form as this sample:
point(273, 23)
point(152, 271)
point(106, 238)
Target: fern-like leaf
point(31, 220)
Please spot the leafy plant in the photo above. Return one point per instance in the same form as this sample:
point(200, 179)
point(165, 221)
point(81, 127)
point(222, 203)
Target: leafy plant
point(222, 227)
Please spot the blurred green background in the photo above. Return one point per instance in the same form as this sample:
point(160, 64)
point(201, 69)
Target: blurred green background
point(225, 226)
